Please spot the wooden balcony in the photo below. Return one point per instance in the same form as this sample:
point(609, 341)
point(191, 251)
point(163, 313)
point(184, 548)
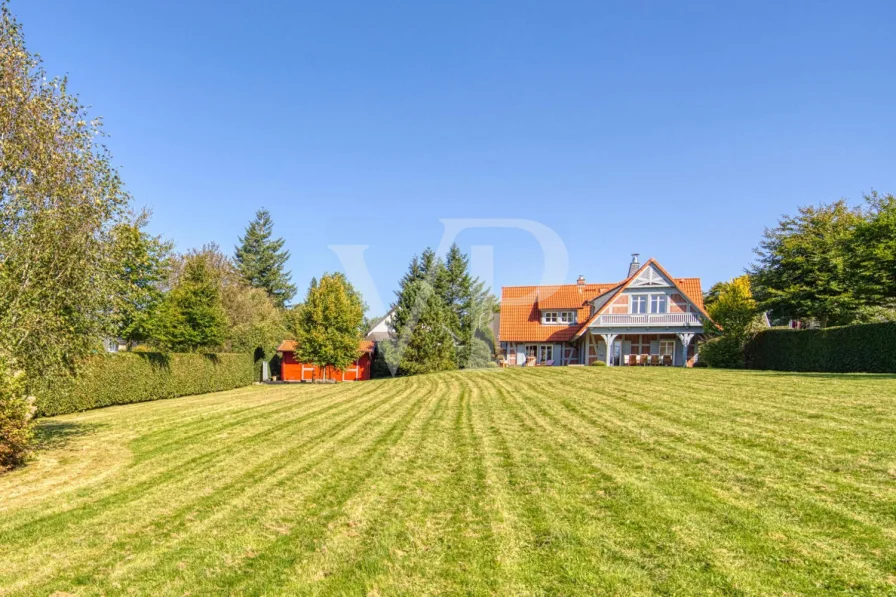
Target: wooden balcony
point(649, 319)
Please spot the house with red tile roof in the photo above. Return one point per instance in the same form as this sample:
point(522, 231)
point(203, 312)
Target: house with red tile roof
point(649, 318)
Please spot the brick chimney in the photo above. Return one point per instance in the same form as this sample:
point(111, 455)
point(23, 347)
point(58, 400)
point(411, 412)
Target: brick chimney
point(634, 266)
point(581, 281)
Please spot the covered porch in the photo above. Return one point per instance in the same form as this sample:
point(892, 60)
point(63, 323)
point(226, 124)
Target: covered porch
point(643, 348)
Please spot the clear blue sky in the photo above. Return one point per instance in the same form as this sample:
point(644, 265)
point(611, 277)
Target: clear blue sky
point(678, 130)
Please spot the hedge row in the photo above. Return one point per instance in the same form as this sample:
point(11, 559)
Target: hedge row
point(865, 348)
point(141, 376)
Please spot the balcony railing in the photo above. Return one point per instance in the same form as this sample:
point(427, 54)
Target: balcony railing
point(649, 319)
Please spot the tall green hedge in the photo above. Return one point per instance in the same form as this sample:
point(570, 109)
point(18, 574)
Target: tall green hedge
point(868, 348)
point(141, 376)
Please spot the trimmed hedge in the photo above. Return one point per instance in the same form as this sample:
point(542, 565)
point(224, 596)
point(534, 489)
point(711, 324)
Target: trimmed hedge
point(864, 348)
point(124, 378)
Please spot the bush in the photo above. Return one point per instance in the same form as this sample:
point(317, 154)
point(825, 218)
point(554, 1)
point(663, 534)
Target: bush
point(599, 364)
point(124, 378)
point(865, 348)
point(724, 352)
point(16, 413)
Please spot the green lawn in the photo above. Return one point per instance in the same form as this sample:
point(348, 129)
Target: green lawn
point(529, 481)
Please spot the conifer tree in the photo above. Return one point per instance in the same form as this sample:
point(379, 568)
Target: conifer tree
point(424, 342)
point(261, 260)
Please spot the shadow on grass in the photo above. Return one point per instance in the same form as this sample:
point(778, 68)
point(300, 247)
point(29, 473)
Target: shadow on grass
point(845, 376)
point(51, 435)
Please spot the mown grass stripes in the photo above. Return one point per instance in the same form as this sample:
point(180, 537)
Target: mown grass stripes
point(525, 482)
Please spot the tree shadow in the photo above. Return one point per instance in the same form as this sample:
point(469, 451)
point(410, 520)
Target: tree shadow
point(51, 435)
point(159, 360)
point(844, 376)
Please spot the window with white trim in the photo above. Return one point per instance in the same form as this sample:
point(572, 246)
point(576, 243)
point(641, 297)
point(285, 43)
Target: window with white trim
point(558, 317)
point(639, 303)
point(545, 353)
point(659, 303)
point(667, 347)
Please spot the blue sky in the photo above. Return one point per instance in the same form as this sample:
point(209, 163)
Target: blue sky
point(677, 130)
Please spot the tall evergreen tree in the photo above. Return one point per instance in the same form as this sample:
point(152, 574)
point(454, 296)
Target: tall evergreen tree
point(329, 325)
point(261, 260)
point(458, 297)
point(423, 340)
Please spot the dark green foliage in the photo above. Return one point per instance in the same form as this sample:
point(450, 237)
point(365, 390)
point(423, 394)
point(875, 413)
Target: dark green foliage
point(825, 264)
point(192, 316)
point(856, 348)
point(467, 311)
point(379, 368)
point(423, 337)
point(723, 352)
point(261, 260)
point(873, 254)
point(124, 378)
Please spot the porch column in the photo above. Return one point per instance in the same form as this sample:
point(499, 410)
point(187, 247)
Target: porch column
point(608, 339)
point(685, 338)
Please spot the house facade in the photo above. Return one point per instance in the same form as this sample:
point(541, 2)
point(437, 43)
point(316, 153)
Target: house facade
point(648, 318)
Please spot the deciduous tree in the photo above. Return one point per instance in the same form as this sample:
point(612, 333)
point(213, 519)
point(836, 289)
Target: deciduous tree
point(192, 316)
point(803, 269)
point(59, 199)
point(330, 323)
point(141, 264)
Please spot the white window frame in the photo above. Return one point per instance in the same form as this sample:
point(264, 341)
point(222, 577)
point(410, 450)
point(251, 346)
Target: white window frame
point(545, 353)
point(534, 348)
point(658, 297)
point(558, 317)
point(643, 300)
point(668, 343)
point(567, 317)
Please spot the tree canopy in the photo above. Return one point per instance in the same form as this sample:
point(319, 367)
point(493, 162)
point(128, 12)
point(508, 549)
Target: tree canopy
point(261, 259)
point(329, 325)
point(441, 309)
point(141, 265)
point(59, 200)
point(803, 269)
point(192, 316)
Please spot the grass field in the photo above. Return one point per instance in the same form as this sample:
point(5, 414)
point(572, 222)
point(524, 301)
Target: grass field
point(529, 481)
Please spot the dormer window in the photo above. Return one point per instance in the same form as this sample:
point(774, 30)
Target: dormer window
point(558, 317)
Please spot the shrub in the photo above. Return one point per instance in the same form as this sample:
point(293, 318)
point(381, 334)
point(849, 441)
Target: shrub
point(864, 348)
point(724, 352)
point(599, 364)
point(16, 413)
point(124, 378)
